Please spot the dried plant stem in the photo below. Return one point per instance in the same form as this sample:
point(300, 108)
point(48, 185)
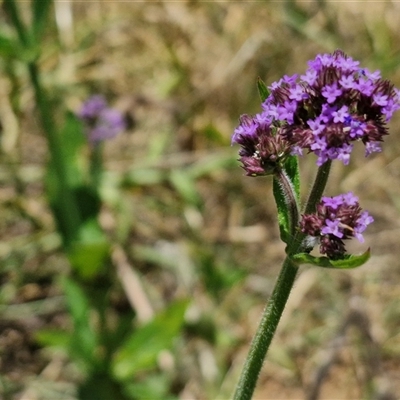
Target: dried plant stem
point(276, 304)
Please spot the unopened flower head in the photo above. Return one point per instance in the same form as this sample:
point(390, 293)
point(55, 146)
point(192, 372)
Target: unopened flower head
point(333, 105)
point(336, 219)
point(263, 147)
point(101, 121)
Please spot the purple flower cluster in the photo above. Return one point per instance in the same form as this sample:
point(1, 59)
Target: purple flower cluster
point(336, 219)
point(101, 121)
point(334, 104)
point(263, 147)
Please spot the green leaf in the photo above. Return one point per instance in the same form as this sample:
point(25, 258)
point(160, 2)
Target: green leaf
point(213, 163)
point(212, 133)
point(291, 168)
point(216, 277)
point(88, 202)
point(262, 89)
point(40, 9)
point(101, 386)
point(140, 351)
point(154, 387)
point(141, 176)
point(9, 47)
point(349, 262)
point(84, 339)
point(185, 186)
point(283, 212)
point(88, 253)
point(53, 338)
point(73, 141)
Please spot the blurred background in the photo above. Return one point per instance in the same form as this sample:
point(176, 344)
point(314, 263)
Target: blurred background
point(185, 220)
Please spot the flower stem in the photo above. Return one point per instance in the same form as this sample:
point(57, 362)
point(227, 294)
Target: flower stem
point(12, 11)
point(67, 202)
point(276, 303)
point(266, 331)
point(96, 162)
point(290, 199)
point(318, 187)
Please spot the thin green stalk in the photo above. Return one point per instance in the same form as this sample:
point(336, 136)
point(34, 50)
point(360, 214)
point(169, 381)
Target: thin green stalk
point(277, 302)
point(96, 163)
point(266, 331)
point(290, 199)
point(318, 187)
point(11, 9)
point(68, 204)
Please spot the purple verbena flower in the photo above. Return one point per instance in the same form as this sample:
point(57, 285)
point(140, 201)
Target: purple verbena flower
point(101, 122)
point(263, 148)
point(336, 219)
point(334, 104)
point(92, 107)
point(331, 92)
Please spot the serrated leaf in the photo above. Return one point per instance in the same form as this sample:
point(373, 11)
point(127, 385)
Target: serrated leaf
point(262, 89)
point(140, 351)
point(349, 262)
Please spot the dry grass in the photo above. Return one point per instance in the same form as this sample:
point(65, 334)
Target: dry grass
point(184, 72)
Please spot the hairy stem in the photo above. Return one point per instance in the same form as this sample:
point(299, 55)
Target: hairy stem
point(276, 303)
point(266, 331)
point(290, 199)
point(318, 187)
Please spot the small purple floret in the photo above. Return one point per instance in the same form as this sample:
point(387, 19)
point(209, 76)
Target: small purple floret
point(336, 219)
point(101, 122)
point(325, 110)
point(331, 92)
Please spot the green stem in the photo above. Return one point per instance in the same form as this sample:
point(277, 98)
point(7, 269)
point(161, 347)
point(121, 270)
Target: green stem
point(96, 164)
point(266, 331)
point(318, 187)
point(67, 203)
point(290, 199)
point(276, 304)
point(11, 8)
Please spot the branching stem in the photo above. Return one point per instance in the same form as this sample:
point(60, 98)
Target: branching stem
point(276, 304)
